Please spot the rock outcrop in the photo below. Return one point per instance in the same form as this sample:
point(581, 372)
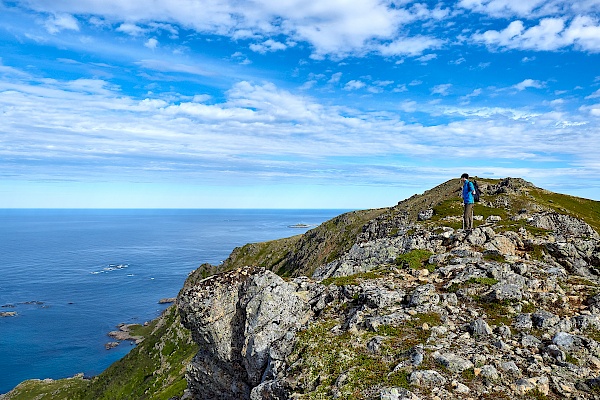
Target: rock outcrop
point(416, 308)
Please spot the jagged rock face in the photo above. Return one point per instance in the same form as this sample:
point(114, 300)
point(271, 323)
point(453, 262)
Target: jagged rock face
point(244, 322)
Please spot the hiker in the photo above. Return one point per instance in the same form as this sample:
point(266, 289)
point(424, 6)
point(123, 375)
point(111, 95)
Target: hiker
point(468, 191)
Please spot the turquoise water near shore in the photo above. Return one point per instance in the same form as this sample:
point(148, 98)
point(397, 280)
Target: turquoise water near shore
point(73, 275)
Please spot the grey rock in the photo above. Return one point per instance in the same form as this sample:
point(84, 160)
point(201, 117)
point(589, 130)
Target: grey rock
point(453, 362)
point(490, 372)
point(374, 345)
point(504, 331)
point(563, 224)
point(270, 390)
point(530, 341)
point(424, 215)
point(397, 394)
point(503, 291)
point(511, 368)
point(244, 322)
point(583, 322)
point(554, 351)
point(523, 322)
point(544, 319)
point(377, 297)
point(563, 339)
point(480, 328)
point(425, 294)
point(428, 378)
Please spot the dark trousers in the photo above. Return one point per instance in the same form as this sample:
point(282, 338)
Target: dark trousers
point(468, 216)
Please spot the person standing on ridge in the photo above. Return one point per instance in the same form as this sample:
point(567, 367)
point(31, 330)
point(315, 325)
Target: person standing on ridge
point(468, 190)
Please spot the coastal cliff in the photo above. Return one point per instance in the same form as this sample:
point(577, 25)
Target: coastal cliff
point(414, 308)
point(394, 303)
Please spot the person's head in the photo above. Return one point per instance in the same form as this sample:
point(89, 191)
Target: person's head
point(464, 177)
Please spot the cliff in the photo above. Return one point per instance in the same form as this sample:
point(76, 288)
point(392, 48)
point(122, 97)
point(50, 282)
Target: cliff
point(396, 303)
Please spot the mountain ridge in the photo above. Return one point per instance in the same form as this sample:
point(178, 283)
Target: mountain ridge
point(391, 283)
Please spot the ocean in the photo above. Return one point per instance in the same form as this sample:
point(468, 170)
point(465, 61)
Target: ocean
point(71, 276)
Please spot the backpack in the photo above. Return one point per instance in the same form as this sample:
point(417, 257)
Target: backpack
point(477, 195)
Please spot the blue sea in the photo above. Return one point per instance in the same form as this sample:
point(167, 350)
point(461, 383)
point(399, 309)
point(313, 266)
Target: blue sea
point(74, 275)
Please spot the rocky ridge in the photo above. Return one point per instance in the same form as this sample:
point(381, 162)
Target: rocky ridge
point(416, 308)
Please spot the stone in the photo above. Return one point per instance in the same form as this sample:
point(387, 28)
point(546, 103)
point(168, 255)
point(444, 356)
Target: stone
point(523, 322)
point(8, 314)
point(554, 351)
point(506, 292)
point(525, 385)
point(509, 367)
point(425, 215)
point(530, 341)
point(479, 327)
point(427, 378)
point(425, 294)
point(504, 331)
point(397, 394)
point(490, 372)
point(460, 387)
point(544, 319)
point(374, 345)
point(563, 339)
point(453, 362)
point(244, 321)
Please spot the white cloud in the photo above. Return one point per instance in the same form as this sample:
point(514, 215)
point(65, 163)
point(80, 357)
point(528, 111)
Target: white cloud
point(549, 35)
point(59, 22)
point(530, 9)
point(269, 45)
point(354, 85)
point(427, 58)
point(335, 28)
point(151, 43)
point(529, 83)
point(166, 66)
point(502, 8)
point(594, 95)
point(441, 89)
point(131, 29)
point(409, 106)
point(335, 78)
point(410, 46)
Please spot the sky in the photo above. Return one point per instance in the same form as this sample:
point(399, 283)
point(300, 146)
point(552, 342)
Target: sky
point(343, 104)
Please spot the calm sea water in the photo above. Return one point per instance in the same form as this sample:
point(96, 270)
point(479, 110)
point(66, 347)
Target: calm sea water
point(73, 275)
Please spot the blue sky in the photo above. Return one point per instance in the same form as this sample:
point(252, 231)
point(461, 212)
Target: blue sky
point(292, 104)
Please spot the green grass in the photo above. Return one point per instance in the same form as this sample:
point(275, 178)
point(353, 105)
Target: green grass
point(494, 257)
point(62, 389)
point(415, 259)
point(352, 279)
point(320, 356)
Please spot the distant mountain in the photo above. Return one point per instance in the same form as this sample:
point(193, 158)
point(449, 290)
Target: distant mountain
point(393, 303)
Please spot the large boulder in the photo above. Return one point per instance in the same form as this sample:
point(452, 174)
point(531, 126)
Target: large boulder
point(244, 322)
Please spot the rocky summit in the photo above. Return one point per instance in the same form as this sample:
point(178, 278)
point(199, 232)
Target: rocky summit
point(394, 303)
point(414, 308)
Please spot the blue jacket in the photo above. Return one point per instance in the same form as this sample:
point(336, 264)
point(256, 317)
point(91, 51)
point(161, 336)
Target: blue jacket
point(467, 192)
